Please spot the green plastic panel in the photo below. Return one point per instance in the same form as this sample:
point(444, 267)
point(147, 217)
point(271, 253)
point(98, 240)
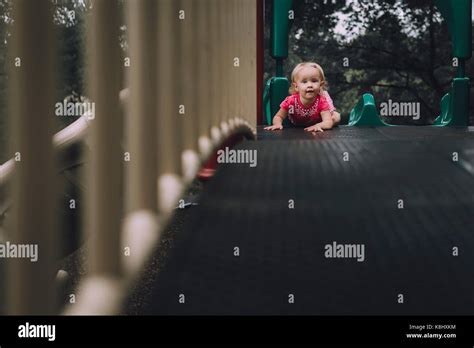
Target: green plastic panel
point(365, 113)
point(280, 28)
point(460, 102)
point(275, 92)
point(458, 16)
point(455, 106)
point(443, 117)
point(266, 102)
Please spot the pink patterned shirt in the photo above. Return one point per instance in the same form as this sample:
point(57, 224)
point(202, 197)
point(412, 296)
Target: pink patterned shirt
point(302, 115)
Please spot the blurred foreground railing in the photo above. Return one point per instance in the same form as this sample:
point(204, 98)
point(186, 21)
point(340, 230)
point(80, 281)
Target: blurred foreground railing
point(191, 85)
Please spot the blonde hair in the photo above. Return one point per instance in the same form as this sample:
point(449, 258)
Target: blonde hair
point(296, 70)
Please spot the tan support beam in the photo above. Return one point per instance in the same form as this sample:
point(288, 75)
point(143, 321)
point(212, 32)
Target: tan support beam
point(204, 78)
point(31, 284)
point(141, 231)
point(236, 60)
point(188, 80)
point(102, 289)
point(243, 44)
point(240, 42)
point(142, 106)
point(169, 135)
point(238, 53)
point(216, 78)
point(252, 47)
point(250, 66)
point(104, 171)
point(226, 62)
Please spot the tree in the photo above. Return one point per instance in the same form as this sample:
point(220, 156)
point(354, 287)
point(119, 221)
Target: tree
point(69, 18)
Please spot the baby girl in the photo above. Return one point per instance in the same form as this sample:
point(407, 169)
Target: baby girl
point(309, 104)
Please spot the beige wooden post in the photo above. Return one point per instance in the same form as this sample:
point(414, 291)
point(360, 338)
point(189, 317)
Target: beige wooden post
point(101, 291)
point(243, 19)
point(249, 37)
point(251, 89)
point(142, 107)
point(104, 171)
point(30, 280)
point(188, 79)
point(169, 135)
point(141, 230)
point(227, 64)
point(204, 78)
point(242, 82)
point(237, 52)
point(216, 78)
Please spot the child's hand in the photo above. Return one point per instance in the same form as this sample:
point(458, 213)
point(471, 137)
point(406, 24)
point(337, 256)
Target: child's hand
point(315, 128)
point(274, 127)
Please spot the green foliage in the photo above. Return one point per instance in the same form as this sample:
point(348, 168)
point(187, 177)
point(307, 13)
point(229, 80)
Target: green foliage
point(69, 17)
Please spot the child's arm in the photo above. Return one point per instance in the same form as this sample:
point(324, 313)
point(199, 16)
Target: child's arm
point(278, 120)
point(336, 116)
point(327, 123)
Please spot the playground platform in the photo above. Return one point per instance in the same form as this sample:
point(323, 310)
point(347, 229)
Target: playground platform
point(401, 192)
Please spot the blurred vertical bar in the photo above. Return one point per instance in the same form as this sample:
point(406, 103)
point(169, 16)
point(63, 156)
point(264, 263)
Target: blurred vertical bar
point(169, 135)
point(204, 76)
point(240, 46)
point(188, 80)
point(251, 87)
point(104, 171)
point(235, 77)
point(140, 227)
point(215, 79)
point(248, 89)
point(226, 58)
point(31, 284)
point(141, 113)
point(260, 59)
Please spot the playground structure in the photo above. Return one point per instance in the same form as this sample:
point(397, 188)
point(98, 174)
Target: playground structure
point(454, 105)
point(173, 125)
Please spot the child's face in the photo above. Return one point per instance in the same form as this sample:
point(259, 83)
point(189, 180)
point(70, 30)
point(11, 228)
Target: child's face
point(308, 82)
